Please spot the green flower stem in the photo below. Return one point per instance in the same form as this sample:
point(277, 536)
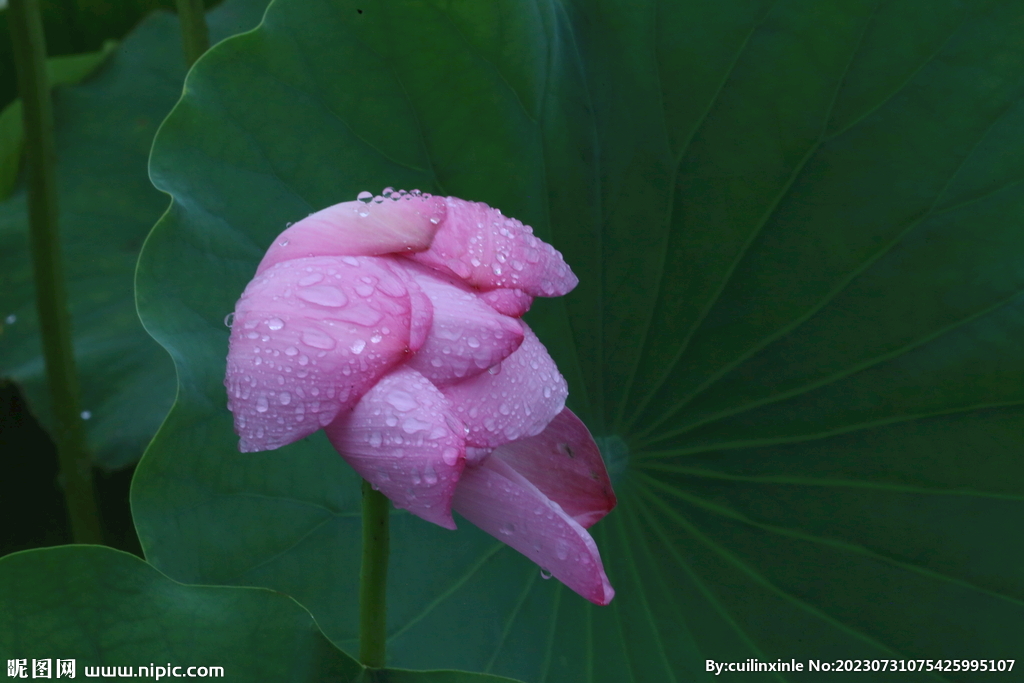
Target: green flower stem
point(194, 34)
point(373, 578)
point(29, 45)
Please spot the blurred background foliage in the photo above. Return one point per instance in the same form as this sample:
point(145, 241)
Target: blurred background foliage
point(76, 26)
point(30, 490)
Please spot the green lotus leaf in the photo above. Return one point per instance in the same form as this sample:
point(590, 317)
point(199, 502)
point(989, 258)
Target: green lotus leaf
point(113, 615)
point(797, 227)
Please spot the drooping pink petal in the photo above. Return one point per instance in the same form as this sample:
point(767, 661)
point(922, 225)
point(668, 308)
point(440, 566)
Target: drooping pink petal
point(309, 337)
point(564, 462)
point(479, 245)
point(513, 302)
point(512, 400)
point(403, 438)
point(358, 228)
point(466, 336)
point(503, 503)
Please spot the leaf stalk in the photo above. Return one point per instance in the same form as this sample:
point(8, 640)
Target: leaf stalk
point(29, 45)
point(195, 35)
point(373, 577)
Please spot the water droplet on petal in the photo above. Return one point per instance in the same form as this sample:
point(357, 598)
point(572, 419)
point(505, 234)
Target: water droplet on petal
point(262, 405)
point(291, 351)
point(411, 425)
point(228, 320)
point(285, 398)
point(562, 549)
point(402, 401)
point(311, 279)
point(357, 346)
point(450, 456)
point(365, 197)
point(544, 573)
point(318, 340)
point(376, 439)
point(324, 295)
point(275, 324)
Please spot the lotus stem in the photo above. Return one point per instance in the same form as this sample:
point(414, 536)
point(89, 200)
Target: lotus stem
point(373, 579)
point(29, 44)
point(195, 36)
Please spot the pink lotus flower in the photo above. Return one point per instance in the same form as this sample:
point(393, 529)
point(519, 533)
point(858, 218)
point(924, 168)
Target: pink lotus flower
point(393, 324)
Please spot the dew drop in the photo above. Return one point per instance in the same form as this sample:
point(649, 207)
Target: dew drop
point(376, 339)
point(562, 549)
point(357, 346)
point(507, 529)
point(402, 401)
point(429, 476)
point(262, 405)
point(285, 398)
point(365, 197)
point(311, 279)
point(324, 295)
point(411, 425)
point(275, 324)
point(544, 573)
point(229, 319)
point(450, 456)
point(317, 340)
point(291, 351)
point(376, 439)
point(86, 414)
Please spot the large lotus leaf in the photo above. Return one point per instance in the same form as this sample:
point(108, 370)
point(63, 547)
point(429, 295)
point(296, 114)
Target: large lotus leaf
point(111, 614)
point(798, 229)
point(105, 128)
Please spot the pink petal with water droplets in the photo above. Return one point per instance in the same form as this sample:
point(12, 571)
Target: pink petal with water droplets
point(564, 462)
point(466, 337)
point(514, 399)
point(503, 503)
point(513, 302)
point(422, 310)
point(488, 250)
point(403, 438)
point(306, 344)
point(360, 229)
